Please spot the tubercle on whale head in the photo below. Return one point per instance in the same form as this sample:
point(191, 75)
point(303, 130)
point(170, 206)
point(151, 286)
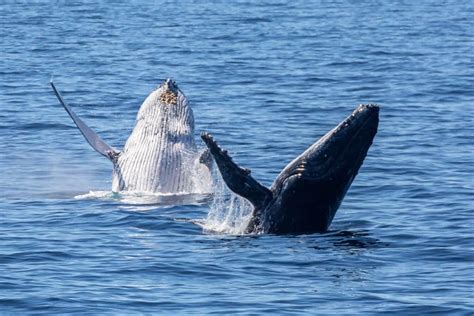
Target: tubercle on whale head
point(341, 147)
point(359, 116)
point(338, 148)
point(346, 146)
point(170, 90)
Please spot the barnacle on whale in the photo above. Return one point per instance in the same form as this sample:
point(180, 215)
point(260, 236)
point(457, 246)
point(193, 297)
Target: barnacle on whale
point(168, 97)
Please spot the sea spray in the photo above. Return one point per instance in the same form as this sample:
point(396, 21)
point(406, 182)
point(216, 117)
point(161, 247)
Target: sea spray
point(202, 179)
point(228, 212)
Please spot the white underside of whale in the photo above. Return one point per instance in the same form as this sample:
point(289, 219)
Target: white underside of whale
point(160, 156)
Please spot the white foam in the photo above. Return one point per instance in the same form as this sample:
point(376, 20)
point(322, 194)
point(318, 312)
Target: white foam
point(137, 198)
point(228, 213)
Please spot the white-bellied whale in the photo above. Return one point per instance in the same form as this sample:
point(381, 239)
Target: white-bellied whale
point(307, 193)
point(160, 156)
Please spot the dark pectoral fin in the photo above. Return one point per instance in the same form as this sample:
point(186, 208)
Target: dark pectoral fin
point(237, 179)
point(92, 138)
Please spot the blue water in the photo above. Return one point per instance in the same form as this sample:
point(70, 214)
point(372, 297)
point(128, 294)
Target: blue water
point(267, 80)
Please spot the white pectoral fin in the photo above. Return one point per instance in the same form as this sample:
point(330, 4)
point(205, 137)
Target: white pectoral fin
point(92, 138)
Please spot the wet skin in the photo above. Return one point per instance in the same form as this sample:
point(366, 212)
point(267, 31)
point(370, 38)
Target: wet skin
point(307, 193)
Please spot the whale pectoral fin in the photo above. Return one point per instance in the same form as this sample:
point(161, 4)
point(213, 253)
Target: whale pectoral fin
point(237, 179)
point(92, 138)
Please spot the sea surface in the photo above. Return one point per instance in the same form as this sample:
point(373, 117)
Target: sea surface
point(267, 78)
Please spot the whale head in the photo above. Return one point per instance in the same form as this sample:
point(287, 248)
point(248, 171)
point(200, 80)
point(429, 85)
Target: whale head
point(315, 183)
point(167, 110)
point(159, 153)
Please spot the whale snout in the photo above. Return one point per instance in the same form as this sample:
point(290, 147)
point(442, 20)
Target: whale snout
point(359, 127)
point(367, 119)
point(363, 114)
point(363, 120)
point(170, 84)
point(341, 151)
point(369, 107)
point(349, 143)
point(368, 111)
point(169, 92)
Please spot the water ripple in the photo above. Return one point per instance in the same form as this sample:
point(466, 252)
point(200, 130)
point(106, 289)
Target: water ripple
point(267, 79)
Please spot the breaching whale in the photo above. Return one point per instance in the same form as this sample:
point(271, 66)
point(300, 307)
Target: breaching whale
point(307, 193)
point(160, 155)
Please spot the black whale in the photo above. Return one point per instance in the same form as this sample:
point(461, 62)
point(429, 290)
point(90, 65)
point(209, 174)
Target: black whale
point(307, 193)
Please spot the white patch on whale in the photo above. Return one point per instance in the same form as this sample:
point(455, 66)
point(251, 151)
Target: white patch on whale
point(160, 156)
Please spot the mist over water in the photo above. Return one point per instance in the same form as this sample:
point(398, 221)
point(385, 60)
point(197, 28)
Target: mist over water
point(266, 79)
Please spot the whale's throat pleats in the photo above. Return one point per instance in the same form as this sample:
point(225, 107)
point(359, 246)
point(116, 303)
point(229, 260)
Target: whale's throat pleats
point(160, 155)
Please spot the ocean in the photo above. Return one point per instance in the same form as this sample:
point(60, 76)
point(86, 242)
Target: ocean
point(267, 79)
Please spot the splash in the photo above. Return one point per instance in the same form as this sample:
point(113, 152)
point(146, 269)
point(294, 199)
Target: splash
point(228, 213)
point(202, 178)
point(135, 198)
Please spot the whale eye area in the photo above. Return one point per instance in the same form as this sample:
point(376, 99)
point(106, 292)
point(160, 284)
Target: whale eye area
point(168, 97)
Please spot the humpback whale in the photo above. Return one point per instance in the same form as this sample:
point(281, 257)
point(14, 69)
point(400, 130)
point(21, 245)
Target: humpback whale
point(160, 155)
point(307, 193)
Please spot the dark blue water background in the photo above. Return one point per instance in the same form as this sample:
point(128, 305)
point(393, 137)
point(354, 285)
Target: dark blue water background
point(267, 79)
